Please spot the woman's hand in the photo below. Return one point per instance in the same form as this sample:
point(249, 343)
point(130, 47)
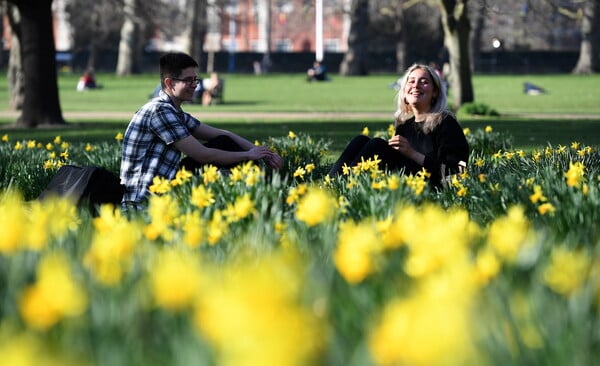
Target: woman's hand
point(401, 144)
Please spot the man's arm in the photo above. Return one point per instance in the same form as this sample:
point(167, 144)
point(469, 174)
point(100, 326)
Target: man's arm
point(206, 155)
point(205, 132)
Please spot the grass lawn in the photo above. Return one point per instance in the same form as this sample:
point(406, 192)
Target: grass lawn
point(254, 103)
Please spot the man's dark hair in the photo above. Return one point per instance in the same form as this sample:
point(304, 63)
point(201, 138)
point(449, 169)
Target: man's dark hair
point(171, 65)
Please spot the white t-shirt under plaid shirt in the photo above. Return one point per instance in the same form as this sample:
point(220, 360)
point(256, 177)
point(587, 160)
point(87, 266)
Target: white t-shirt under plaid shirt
point(148, 149)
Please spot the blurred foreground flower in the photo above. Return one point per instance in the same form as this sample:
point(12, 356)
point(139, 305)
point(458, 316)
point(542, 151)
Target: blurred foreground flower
point(26, 349)
point(568, 270)
point(315, 207)
point(429, 226)
point(431, 327)
point(507, 234)
point(575, 175)
point(113, 243)
point(251, 314)
point(53, 296)
point(13, 222)
point(175, 278)
point(357, 243)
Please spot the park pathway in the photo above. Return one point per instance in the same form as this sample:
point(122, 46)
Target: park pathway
point(310, 116)
point(208, 114)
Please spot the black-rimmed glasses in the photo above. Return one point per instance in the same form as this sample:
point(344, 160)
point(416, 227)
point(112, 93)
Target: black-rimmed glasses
point(188, 81)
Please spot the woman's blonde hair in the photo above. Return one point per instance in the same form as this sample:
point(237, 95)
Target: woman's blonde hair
point(437, 110)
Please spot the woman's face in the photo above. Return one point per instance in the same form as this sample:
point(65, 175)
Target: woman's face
point(419, 89)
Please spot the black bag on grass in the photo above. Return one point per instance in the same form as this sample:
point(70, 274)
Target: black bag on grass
point(88, 185)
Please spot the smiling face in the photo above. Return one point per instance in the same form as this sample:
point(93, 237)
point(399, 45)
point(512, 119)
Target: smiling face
point(182, 88)
point(419, 90)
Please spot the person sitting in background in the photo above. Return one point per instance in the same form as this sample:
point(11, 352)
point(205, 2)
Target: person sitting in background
point(155, 92)
point(427, 134)
point(198, 92)
point(211, 89)
point(317, 72)
point(257, 67)
point(87, 81)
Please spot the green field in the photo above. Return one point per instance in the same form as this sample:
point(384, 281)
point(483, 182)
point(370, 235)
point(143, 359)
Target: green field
point(256, 107)
point(500, 266)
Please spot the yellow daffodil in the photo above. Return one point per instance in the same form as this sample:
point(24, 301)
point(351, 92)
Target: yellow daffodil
point(53, 296)
point(537, 195)
point(240, 209)
point(507, 234)
point(429, 325)
point(210, 174)
point(353, 254)
point(391, 130)
point(567, 271)
point(315, 207)
point(217, 227)
point(575, 175)
point(546, 208)
point(252, 315)
point(13, 221)
point(300, 171)
point(175, 279)
point(182, 176)
point(110, 254)
point(159, 185)
point(202, 196)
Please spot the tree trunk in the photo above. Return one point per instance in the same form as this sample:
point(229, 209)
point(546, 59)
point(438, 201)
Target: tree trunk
point(355, 59)
point(475, 47)
point(589, 52)
point(16, 89)
point(456, 26)
point(127, 62)
point(41, 103)
point(93, 55)
point(400, 40)
point(3, 7)
point(264, 31)
point(196, 33)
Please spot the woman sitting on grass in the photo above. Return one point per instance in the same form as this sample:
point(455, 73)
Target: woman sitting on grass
point(427, 134)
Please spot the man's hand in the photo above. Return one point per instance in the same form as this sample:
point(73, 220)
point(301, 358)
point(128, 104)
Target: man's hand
point(274, 161)
point(271, 158)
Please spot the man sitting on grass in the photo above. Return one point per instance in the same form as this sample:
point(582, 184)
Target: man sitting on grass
point(160, 131)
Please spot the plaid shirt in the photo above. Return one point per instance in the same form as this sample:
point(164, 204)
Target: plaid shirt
point(148, 149)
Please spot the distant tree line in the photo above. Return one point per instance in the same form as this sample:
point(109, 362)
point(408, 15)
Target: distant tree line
point(449, 31)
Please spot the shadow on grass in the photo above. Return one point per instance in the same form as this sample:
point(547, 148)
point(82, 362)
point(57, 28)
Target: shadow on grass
point(71, 132)
point(534, 133)
point(527, 133)
point(226, 103)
